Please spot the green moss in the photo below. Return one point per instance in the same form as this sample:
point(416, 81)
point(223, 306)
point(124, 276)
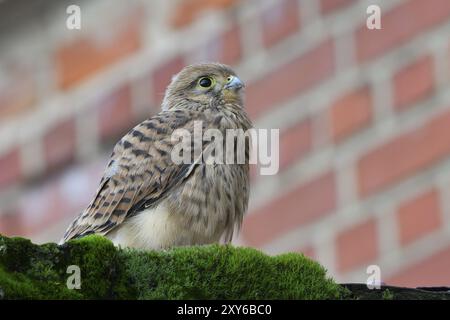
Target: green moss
point(226, 272)
point(387, 295)
point(29, 271)
point(102, 268)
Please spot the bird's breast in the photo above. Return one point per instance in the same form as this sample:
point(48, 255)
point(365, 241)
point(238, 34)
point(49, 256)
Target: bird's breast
point(213, 199)
point(157, 228)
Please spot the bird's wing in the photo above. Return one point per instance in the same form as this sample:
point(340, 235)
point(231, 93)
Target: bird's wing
point(139, 174)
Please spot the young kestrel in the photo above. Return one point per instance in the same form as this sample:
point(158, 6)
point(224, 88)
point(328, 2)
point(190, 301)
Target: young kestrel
point(145, 199)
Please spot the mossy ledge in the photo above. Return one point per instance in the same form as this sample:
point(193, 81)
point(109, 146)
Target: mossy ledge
point(30, 271)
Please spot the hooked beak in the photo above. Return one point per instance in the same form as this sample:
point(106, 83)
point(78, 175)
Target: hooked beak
point(234, 83)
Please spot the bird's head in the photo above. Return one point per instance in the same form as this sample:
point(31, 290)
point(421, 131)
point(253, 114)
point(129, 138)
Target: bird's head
point(203, 84)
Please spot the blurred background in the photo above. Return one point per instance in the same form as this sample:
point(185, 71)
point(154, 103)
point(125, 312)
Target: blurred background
point(364, 118)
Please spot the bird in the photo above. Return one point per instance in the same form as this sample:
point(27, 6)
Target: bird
point(145, 200)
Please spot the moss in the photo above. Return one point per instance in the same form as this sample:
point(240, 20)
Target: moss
point(387, 295)
point(102, 268)
point(226, 272)
point(40, 272)
point(29, 271)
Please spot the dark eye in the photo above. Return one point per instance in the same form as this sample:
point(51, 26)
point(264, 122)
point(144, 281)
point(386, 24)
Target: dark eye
point(205, 82)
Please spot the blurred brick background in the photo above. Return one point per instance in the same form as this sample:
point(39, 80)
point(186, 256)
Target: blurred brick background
point(364, 117)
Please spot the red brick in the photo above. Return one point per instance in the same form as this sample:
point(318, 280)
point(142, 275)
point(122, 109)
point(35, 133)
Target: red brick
point(404, 155)
point(328, 6)
point(295, 142)
point(10, 168)
point(419, 217)
point(303, 205)
point(10, 223)
point(400, 25)
point(143, 100)
point(431, 271)
point(86, 56)
point(17, 93)
point(414, 83)
point(350, 113)
point(230, 46)
point(47, 205)
point(357, 246)
point(60, 144)
point(188, 10)
point(280, 21)
point(163, 75)
point(291, 79)
point(225, 48)
point(115, 114)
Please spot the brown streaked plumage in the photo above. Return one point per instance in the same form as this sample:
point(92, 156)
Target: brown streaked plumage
point(145, 200)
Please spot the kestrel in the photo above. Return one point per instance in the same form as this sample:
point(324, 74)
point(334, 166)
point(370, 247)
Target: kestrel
point(145, 199)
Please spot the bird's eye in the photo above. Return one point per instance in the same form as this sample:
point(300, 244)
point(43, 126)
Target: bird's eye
point(229, 79)
point(205, 82)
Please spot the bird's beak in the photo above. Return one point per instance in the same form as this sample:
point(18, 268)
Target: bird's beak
point(234, 83)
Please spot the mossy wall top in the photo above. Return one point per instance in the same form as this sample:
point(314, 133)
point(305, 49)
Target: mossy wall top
point(29, 271)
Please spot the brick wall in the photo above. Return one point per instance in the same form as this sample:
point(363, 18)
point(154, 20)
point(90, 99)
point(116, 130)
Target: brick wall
point(364, 118)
